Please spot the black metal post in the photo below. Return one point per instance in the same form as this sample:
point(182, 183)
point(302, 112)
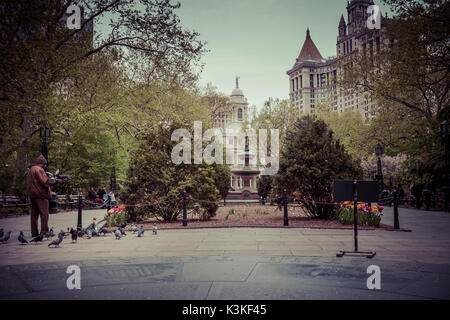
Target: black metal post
point(446, 190)
point(184, 210)
point(80, 211)
point(367, 254)
point(379, 175)
point(286, 221)
point(355, 214)
point(44, 151)
point(396, 222)
point(113, 181)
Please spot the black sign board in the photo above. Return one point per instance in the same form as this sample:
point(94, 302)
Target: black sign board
point(367, 191)
point(348, 190)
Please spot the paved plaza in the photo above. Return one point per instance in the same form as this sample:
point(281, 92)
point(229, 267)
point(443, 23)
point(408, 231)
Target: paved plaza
point(232, 263)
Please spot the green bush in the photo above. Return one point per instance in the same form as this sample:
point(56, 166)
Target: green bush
point(311, 157)
point(346, 216)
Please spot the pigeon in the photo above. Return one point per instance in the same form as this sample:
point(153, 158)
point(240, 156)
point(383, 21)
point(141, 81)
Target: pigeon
point(155, 229)
point(56, 242)
point(22, 238)
point(122, 231)
point(5, 237)
point(74, 235)
point(123, 225)
point(94, 233)
point(80, 233)
point(38, 238)
point(118, 234)
point(89, 233)
point(134, 229)
point(141, 231)
point(50, 234)
point(61, 234)
point(104, 231)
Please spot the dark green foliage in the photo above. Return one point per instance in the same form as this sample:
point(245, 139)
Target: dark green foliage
point(201, 186)
point(222, 179)
point(154, 179)
point(264, 185)
point(310, 160)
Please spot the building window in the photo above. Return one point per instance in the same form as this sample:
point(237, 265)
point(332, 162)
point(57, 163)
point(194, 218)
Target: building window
point(240, 114)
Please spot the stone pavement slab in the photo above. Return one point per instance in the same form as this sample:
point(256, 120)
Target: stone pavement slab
point(226, 278)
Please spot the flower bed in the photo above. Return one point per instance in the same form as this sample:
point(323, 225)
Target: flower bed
point(367, 216)
point(116, 216)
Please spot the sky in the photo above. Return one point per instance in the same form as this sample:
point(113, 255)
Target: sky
point(259, 40)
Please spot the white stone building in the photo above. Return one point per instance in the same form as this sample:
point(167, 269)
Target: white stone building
point(245, 168)
point(313, 79)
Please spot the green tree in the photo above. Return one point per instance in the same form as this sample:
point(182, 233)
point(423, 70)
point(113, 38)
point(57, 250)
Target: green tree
point(201, 185)
point(311, 158)
point(222, 179)
point(264, 186)
point(56, 75)
point(350, 129)
point(408, 75)
point(154, 179)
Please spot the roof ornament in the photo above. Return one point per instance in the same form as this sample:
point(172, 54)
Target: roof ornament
point(237, 81)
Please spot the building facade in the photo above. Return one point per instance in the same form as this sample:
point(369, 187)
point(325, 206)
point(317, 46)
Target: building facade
point(313, 80)
point(245, 169)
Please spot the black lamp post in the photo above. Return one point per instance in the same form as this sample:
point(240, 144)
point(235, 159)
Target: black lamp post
point(113, 178)
point(445, 130)
point(44, 133)
point(379, 176)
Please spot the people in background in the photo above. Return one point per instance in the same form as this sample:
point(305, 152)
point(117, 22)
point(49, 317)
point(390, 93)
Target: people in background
point(101, 192)
point(92, 194)
point(112, 197)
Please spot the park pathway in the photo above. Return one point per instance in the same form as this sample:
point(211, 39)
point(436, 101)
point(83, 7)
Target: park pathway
point(236, 263)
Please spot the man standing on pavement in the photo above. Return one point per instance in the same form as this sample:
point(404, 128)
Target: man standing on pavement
point(38, 189)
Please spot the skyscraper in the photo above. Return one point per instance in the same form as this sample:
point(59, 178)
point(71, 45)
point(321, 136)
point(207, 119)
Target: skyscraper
point(314, 80)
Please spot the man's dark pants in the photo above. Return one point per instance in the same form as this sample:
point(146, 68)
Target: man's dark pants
point(39, 208)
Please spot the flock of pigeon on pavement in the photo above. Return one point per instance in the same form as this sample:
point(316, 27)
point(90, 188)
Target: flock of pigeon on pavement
point(89, 232)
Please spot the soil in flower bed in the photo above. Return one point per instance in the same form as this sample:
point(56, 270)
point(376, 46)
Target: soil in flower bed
point(253, 216)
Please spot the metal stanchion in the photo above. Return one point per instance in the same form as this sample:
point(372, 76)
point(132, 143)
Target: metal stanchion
point(396, 222)
point(286, 221)
point(80, 211)
point(184, 210)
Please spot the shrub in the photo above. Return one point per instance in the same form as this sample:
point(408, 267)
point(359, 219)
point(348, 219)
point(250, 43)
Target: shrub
point(155, 184)
point(310, 159)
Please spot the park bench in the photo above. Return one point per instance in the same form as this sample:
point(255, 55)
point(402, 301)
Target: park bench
point(65, 203)
point(73, 203)
point(10, 202)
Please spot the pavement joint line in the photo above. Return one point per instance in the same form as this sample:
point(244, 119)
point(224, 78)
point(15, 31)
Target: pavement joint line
point(251, 271)
point(209, 290)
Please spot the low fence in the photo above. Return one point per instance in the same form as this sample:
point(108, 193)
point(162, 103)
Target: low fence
point(284, 202)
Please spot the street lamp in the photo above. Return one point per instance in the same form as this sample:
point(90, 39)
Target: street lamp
point(379, 176)
point(44, 133)
point(445, 130)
